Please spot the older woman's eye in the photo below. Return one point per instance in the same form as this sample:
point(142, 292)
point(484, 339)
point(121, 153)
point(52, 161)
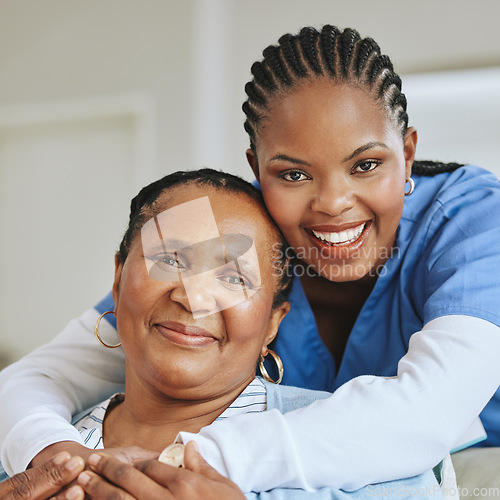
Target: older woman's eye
point(366, 166)
point(294, 176)
point(234, 281)
point(170, 261)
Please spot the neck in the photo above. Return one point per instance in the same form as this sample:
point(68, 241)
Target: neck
point(152, 420)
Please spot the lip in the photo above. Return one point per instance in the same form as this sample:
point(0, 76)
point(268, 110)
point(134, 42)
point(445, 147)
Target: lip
point(185, 335)
point(339, 251)
point(336, 228)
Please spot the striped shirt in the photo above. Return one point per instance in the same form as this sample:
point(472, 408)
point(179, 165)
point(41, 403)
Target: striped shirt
point(253, 399)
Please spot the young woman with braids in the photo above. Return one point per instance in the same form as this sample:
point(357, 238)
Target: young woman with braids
point(395, 301)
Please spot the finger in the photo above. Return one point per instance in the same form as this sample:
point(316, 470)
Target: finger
point(46, 480)
point(195, 462)
point(74, 493)
point(125, 476)
point(97, 487)
point(163, 474)
point(184, 483)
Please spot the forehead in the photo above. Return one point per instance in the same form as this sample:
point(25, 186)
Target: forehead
point(201, 213)
point(323, 109)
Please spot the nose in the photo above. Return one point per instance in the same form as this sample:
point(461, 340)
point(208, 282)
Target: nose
point(333, 196)
point(196, 294)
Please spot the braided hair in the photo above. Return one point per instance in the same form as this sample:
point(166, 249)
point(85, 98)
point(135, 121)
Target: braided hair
point(144, 206)
point(342, 56)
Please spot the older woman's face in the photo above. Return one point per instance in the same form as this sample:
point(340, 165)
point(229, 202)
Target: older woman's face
point(194, 296)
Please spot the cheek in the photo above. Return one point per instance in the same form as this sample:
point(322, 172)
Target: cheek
point(247, 323)
point(285, 209)
point(138, 292)
point(388, 203)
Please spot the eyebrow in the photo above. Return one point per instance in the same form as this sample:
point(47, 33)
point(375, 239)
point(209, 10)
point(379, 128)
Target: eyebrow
point(356, 152)
point(365, 147)
point(290, 159)
point(237, 257)
point(170, 245)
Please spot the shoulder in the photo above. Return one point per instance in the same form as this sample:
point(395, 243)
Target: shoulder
point(467, 197)
point(447, 192)
point(287, 398)
point(450, 238)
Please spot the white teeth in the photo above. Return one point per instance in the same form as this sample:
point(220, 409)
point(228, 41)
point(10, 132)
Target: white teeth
point(342, 237)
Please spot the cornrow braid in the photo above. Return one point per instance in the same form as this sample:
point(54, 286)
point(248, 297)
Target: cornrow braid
point(348, 41)
point(307, 39)
point(429, 168)
point(342, 56)
point(292, 55)
point(328, 39)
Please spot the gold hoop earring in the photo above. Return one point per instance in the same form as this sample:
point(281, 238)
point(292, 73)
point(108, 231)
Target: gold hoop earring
point(96, 331)
point(412, 186)
point(279, 364)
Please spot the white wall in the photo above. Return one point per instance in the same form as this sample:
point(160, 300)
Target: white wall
point(177, 70)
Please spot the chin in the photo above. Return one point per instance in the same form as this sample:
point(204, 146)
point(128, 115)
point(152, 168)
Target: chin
point(346, 273)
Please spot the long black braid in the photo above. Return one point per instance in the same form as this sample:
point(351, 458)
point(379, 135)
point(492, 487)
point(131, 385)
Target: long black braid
point(342, 56)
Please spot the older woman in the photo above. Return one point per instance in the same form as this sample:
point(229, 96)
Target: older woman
point(201, 286)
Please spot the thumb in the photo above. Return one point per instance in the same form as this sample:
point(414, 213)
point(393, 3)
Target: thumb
point(193, 461)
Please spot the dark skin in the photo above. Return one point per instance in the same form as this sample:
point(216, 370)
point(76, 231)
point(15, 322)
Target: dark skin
point(44, 481)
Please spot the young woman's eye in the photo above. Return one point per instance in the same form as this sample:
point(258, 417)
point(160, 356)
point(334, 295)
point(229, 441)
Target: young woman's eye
point(294, 176)
point(366, 166)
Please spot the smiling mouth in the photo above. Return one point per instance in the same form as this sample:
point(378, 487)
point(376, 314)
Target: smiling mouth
point(342, 238)
point(185, 335)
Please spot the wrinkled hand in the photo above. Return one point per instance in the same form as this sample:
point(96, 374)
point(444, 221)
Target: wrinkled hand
point(72, 490)
point(43, 481)
point(151, 480)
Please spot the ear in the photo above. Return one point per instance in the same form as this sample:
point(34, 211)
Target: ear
point(410, 148)
point(116, 282)
point(277, 316)
point(252, 161)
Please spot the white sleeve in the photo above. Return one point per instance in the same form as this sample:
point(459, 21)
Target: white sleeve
point(39, 393)
point(372, 429)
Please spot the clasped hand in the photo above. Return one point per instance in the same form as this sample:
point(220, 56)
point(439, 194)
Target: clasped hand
point(110, 477)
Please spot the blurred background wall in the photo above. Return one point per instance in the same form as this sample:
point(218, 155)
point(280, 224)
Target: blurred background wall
point(99, 97)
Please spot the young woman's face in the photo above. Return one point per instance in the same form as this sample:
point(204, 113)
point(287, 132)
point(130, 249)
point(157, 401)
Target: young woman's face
point(194, 296)
point(332, 167)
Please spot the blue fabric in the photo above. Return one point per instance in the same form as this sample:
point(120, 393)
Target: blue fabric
point(423, 486)
point(3, 474)
point(107, 304)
